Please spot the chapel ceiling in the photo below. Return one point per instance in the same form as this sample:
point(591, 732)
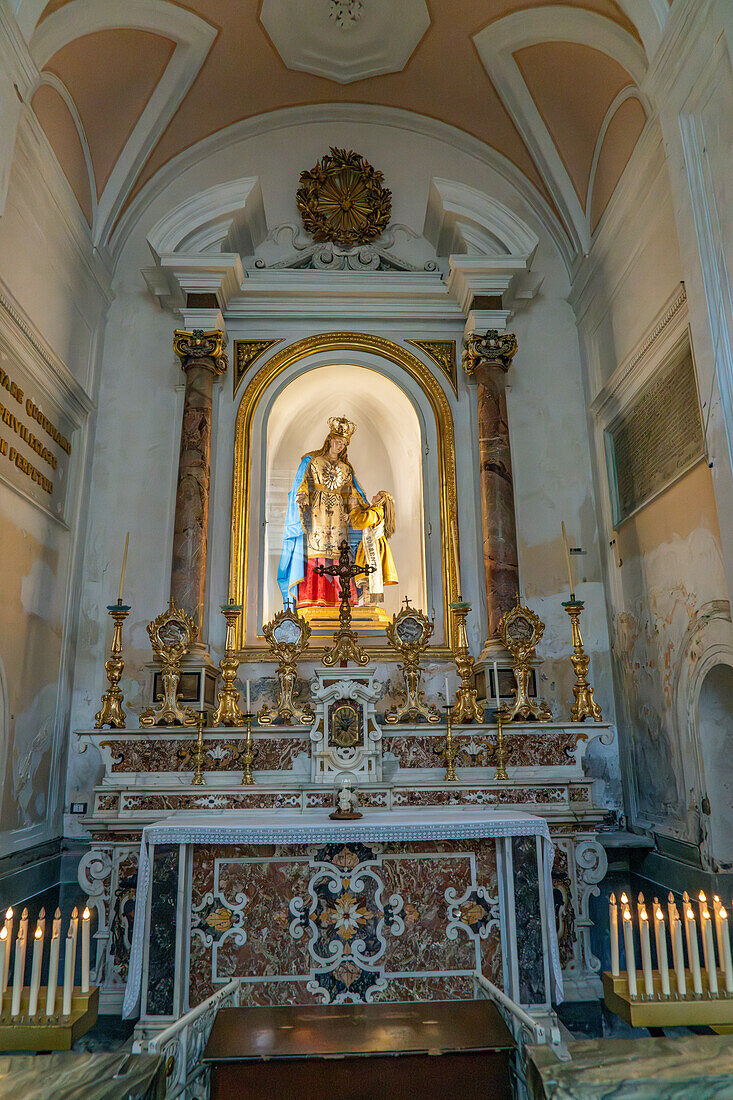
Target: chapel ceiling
point(553, 91)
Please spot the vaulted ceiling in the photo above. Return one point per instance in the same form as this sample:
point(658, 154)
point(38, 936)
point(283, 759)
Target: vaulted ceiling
point(552, 86)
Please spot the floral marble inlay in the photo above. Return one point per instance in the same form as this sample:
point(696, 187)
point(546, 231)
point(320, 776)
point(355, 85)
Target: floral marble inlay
point(526, 749)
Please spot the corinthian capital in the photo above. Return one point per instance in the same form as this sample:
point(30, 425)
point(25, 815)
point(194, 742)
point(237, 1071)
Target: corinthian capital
point(494, 348)
point(194, 346)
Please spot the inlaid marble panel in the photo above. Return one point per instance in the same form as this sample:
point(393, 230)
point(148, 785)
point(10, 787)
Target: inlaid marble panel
point(525, 749)
point(527, 908)
point(162, 951)
point(138, 754)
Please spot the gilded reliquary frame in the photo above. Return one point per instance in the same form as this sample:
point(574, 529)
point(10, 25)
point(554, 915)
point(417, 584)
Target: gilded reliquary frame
point(256, 649)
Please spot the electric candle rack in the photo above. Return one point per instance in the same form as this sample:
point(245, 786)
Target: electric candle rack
point(681, 989)
point(52, 1016)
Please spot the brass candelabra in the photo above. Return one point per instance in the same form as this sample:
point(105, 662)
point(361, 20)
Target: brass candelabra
point(450, 751)
point(585, 705)
point(199, 753)
point(248, 755)
point(466, 708)
point(501, 749)
point(111, 712)
point(228, 712)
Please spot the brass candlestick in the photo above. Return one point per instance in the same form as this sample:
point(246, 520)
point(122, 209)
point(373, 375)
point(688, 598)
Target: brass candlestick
point(228, 712)
point(500, 752)
point(248, 754)
point(408, 634)
point(287, 635)
point(449, 751)
point(585, 705)
point(466, 708)
point(111, 712)
point(199, 753)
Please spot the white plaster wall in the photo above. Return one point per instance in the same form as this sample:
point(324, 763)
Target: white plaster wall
point(140, 400)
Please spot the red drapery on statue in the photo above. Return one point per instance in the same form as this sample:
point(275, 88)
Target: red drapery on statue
point(318, 591)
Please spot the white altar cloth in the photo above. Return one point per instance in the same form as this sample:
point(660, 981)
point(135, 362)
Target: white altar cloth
point(316, 827)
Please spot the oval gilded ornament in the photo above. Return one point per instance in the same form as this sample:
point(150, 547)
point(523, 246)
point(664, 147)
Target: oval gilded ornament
point(342, 200)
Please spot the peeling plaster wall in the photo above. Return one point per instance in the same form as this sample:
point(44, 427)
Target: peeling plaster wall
point(53, 297)
point(672, 570)
point(136, 449)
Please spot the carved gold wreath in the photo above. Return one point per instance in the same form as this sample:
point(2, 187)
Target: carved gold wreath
point(342, 200)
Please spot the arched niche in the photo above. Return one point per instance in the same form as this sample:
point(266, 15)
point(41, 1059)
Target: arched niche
point(378, 370)
point(714, 725)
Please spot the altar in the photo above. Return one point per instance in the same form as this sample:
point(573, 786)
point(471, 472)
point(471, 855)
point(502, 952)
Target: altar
point(401, 905)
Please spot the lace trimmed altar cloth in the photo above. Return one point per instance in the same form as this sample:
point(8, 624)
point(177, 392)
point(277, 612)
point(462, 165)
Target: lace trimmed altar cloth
point(316, 828)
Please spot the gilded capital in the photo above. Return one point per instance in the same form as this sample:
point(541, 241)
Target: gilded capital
point(193, 346)
point(493, 349)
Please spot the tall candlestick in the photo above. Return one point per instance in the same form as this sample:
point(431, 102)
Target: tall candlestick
point(17, 976)
point(707, 932)
point(85, 943)
point(646, 952)
point(36, 971)
point(726, 959)
point(249, 704)
point(660, 937)
point(53, 965)
point(630, 959)
point(68, 975)
point(3, 964)
point(613, 923)
point(694, 952)
point(124, 566)
point(567, 560)
point(679, 957)
point(8, 945)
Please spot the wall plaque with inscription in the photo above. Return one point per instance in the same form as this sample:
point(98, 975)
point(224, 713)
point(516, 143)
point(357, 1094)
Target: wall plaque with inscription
point(35, 439)
point(659, 437)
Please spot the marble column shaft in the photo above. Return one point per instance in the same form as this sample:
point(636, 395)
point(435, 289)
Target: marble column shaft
point(191, 524)
point(487, 358)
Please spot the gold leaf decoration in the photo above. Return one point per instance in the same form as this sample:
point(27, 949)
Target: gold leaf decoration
point(342, 200)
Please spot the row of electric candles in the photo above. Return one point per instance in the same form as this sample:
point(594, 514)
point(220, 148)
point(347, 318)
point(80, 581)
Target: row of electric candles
point(21, 942)
point(678, 959)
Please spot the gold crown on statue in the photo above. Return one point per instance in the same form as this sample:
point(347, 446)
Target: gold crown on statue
point(341, 427)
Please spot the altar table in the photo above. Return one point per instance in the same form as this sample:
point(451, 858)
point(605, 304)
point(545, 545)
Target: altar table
point(396, 906)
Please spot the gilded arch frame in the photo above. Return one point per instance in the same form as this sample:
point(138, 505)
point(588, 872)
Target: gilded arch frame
point(241, 481)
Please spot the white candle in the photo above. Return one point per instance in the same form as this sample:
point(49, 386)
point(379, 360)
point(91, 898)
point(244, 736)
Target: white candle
point(679, 957)
point(726, 959)
point(613, 924)
point(496, 686)
point(3, 967)
point(660, 937)
point(718, 933)
point(447, 693)
point(630, 959)
point(68, 974)
point(707, 933)
point(23, 932)
point(702, 902)
point(8, 945)
point(124, 566)
point(646, 952)
point(53, 965)
point(671, 910)
point(85, 932)
point(687, 908)
point(705, 917)
point(17, 976)
point(249, 705)
point(693, 949)
point(36, 971)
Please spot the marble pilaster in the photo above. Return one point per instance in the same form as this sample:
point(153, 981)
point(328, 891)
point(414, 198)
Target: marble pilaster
point(487, 359)
point(202, 360)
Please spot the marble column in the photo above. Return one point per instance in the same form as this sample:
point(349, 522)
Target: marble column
point(487, 359)
point(202, 358)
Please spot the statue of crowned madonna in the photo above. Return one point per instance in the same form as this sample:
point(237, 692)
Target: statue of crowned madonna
point(326, 505)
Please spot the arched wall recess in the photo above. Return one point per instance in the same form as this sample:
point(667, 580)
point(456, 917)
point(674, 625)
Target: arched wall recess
point(499, 41)
point(315, 347)
point(193, 36)
point(625, 94)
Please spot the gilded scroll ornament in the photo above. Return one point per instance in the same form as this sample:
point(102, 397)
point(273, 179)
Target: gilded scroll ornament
point(408, 634)
point(443, 354)
point(246, 354)
point(287, 636)
point(195, 344)
point(171, 635)
point(520, 630)
point(342, 199)
point(494, 347)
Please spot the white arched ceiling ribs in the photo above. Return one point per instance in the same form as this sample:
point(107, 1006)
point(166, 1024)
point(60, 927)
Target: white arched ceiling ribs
point(52, 81)
point(629, 92)
point(193, 37)
point(498, 42)
point(649, 17)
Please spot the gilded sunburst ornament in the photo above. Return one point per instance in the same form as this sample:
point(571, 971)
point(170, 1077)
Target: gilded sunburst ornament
point(342, 200)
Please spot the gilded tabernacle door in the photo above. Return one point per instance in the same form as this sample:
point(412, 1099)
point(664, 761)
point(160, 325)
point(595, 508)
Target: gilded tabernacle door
point(343, 437)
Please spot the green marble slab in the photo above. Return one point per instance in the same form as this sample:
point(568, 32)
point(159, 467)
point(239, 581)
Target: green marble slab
point(690, 1067)
point(76, 1076)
